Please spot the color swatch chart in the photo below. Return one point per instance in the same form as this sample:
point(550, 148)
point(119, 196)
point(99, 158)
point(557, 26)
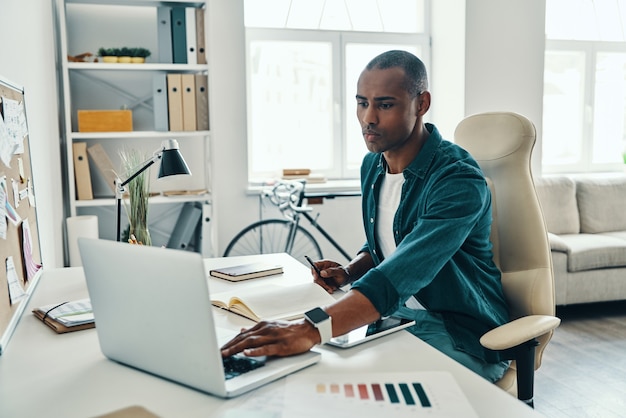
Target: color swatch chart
point(425, 394)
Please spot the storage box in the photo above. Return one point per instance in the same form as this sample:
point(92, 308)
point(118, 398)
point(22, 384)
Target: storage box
point(105, 120)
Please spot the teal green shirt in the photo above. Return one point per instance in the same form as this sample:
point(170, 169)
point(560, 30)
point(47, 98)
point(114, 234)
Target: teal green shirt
point(444, 255)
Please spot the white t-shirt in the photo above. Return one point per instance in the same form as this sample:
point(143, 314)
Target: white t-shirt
point(388, 202)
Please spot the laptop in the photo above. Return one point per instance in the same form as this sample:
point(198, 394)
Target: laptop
point(153, 312)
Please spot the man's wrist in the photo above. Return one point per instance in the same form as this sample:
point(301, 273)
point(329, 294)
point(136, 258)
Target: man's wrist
point(322, 322)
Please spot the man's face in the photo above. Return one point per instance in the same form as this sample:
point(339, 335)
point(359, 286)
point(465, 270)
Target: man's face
point(385, 110)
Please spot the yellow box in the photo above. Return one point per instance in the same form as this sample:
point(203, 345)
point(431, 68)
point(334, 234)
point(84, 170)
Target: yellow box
point(105, 120)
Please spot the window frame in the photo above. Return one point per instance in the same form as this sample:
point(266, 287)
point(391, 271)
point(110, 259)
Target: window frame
point(338, 41)
point(590, 51)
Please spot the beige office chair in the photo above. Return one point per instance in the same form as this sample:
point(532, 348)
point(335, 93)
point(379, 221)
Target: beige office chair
point(502, 143)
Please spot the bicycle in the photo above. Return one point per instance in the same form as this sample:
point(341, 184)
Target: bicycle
point(286, 235)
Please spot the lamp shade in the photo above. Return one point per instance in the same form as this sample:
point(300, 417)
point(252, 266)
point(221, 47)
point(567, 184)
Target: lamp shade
point(172, 162)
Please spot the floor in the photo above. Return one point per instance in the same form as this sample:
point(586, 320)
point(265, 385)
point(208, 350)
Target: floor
point(584, 366)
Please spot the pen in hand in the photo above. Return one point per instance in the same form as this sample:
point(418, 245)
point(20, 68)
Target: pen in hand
point(317, 270)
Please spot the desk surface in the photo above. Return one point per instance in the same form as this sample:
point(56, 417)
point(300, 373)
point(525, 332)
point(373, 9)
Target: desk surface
point(48, 374)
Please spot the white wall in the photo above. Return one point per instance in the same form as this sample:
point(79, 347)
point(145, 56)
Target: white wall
point(501, 69)
point(27, 58)
point(504, 54)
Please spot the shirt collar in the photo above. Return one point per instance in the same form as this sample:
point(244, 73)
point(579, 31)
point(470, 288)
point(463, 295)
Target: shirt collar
point(420, 164)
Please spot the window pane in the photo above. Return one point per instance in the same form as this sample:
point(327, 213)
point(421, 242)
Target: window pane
point(357, 57)
point(563, 105)
point(290, 106)
point(398, 16)
point(402, 15)
point(266, 13)
point(586, 20)
point(609, 140)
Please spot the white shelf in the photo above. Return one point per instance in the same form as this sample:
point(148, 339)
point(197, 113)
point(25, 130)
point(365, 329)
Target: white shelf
point(138, 134)
point(154, 200)
point(101, 66)
point(83, 25)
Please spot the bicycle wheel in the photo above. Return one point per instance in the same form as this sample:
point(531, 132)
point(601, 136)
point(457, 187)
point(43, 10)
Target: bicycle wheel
point(270, 236)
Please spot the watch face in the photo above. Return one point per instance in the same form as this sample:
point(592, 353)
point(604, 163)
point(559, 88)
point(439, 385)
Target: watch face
point(317, 315)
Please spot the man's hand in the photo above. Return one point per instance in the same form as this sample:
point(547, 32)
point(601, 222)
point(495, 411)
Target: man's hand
point(276, 338)
point(332, 275)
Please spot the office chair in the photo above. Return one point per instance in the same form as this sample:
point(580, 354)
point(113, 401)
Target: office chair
point(502, 144)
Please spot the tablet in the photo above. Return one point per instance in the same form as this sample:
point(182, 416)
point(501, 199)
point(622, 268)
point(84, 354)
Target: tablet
point(369, 332)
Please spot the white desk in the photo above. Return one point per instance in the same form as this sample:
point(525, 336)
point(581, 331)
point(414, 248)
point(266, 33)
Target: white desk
point(43, 374)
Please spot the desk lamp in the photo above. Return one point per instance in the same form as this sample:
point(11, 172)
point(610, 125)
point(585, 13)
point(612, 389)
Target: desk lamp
point(172, 163)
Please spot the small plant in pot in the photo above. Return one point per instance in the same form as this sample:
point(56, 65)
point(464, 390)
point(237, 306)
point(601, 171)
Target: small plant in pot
point(139, 55)
point(125, 55)
point(109, 54)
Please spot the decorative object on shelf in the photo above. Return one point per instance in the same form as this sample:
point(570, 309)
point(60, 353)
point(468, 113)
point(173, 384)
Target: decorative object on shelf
point(172, 163)
point(84, 57)
point(105, 120)
point(109, 55)
point(139, 55)
point(124, 55)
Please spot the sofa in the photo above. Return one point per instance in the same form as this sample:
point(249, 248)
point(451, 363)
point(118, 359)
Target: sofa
point(586, 221)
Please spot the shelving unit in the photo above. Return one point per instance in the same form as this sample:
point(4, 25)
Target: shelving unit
point(85, 26)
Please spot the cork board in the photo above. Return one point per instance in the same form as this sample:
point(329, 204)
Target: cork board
point(19, 236)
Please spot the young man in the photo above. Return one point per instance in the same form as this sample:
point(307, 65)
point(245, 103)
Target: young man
point(427, 217)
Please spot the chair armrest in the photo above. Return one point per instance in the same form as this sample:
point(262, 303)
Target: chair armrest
point(519, 331)
point(557, 243)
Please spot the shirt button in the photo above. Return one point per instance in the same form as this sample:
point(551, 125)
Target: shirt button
point(371, 220)
point(372, 186)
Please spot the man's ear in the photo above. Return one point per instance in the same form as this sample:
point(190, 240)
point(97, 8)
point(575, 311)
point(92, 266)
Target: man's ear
point(423, 103)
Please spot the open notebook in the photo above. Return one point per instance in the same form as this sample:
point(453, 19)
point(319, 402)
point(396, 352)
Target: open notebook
point(153, 312)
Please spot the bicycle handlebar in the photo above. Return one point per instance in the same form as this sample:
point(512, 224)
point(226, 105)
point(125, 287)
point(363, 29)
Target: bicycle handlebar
point(286, 194)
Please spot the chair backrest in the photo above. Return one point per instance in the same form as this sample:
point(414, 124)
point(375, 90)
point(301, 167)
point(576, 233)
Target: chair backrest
point(502, 144)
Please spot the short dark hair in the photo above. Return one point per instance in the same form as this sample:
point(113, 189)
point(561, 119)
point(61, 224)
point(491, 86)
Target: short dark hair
point(414, 69)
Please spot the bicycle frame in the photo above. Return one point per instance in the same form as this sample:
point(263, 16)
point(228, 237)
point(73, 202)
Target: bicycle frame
point(298, 210)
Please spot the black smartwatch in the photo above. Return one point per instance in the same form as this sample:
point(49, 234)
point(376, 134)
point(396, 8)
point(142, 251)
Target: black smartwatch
point(322, 321)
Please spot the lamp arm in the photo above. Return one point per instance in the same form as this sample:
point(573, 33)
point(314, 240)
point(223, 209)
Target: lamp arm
point(119, 187)
point(144, 167)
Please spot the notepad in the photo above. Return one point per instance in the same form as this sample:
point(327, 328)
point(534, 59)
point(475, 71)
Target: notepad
point(67, 316)
point(273, 302)
point(246, 271)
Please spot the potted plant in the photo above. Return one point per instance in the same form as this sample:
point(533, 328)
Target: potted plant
point(125, 54)
point(108, 54)
point(138, 191)
point(139, 55)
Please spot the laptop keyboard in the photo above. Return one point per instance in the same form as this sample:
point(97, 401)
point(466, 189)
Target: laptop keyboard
point(237, 365)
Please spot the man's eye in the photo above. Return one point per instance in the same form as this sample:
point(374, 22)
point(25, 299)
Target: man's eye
point(361, 104)
point(385, 106)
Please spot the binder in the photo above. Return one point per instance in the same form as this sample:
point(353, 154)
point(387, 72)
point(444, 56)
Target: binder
point(175, 101)
point(189, 102)
point(186, 226)
point(200, 37)
point(104, 164)
point(202, 102)
point(179, 35)
point(190, 30)
point(159, 98)
point(164, 34)
point(82, 176)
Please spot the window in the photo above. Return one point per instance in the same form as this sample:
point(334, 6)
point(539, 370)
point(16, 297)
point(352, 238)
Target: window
point(303, 59)
point(584, 114)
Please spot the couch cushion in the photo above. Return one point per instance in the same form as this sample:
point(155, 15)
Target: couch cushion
point(601, 204)
point(557, 196)
point(594, 251)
